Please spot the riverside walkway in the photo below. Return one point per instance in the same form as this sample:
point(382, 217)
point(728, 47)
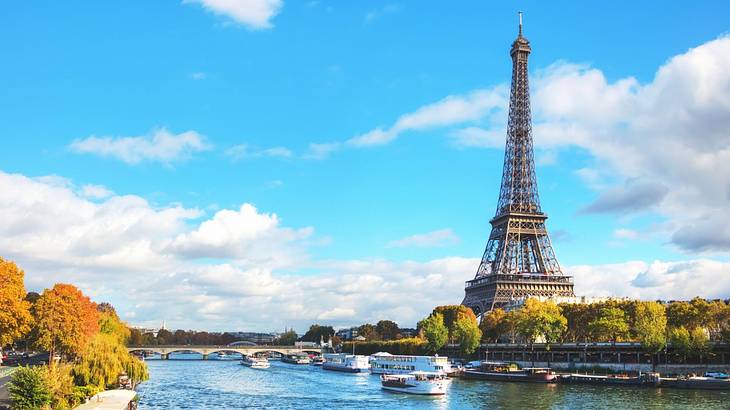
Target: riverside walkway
point(165, 350)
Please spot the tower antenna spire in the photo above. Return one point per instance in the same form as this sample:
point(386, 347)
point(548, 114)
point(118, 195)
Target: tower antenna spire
point(519, 13)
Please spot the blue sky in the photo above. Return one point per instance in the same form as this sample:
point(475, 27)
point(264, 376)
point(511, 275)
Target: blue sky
point(277, 77)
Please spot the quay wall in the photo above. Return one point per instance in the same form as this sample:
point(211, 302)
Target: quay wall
point(663, 369)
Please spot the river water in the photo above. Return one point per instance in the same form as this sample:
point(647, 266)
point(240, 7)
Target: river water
point(217, 384)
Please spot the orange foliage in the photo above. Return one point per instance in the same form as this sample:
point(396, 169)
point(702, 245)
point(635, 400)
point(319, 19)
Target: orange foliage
point(14, 314)
point(65, 320)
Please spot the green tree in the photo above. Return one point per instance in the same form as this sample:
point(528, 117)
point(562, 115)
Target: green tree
point(650, 326)
point(537, 319)
point(15, 316)
point(700, 342)
point(165, 337)
point(287, 338)
point(681, 341)
point(467, 334)
point(610, 325)
point(493, 325)
point(28, 389)
point(368, 331)
point(317, 333)
point(434, 331)
point(387, 329)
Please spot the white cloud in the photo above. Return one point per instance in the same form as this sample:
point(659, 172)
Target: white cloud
point(243, 269)
point(433, 239)
point(253, 14)
point(658, 280)
point(95, 191)
point(243, 151)
point(198, 75)
point(321, 151)
point(452, 110)
point(624, 233)
point(387, 9)
point(161, 146)
point(478, 137)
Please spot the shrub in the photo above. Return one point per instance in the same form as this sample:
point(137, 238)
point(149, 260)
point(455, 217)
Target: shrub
point(29, 389)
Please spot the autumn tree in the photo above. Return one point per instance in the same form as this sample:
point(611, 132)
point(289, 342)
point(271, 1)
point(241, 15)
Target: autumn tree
point(650, 326)
point(109, 323)
point(453, 313)
point(434, 331)
point(540, 320)
point(65, 320)
point(387, 329)
point(103, 360)
point(15, 318)
point(610, 325)
point(494, 325)
point(681, 341)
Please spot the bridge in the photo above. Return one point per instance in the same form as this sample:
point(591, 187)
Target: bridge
point(165, 350)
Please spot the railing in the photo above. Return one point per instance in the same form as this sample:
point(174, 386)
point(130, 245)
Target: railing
point(523, 277)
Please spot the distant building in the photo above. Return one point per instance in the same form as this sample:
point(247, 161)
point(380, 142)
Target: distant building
point(348, 333)
point(408, 332)
point(254, 337)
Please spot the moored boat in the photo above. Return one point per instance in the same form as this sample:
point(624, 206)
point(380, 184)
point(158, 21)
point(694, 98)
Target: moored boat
point(343, 362)
point(643, 379)
point(296, 358)
point(498, 371)
point(255, 362)
point(401, 364)
point(700, 383)
point(317, 361)
point(423, 383)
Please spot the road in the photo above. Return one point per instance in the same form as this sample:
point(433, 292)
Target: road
point(4, 400)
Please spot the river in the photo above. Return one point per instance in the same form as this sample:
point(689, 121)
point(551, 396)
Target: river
point(217, 384)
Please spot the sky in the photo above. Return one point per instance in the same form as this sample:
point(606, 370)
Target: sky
point(255, 164)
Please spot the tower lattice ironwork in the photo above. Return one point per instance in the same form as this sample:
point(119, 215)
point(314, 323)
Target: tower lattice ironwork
point(519, 260)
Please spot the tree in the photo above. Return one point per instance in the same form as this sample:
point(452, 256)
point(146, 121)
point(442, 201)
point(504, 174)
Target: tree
point(494, 325)
point(65, 320)
point(165, 337)
point(317, 333)
point(610, 325)
point(287, 338)
point(683, 314)
point(368, 331)
point(434, 331)
point(650, 326)
point(467, 334)
point(537, 319)
point(451, 314)
point(700, 342)
point(681, 341)
point(387, 329)
point(28, 389)
point(104, 360)
point(109, 323)
point(15, 318)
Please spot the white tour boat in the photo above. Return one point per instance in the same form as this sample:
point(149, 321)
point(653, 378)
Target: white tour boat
point(426, 383)
point(255, 363)
point(400, 364)
point(344, 362)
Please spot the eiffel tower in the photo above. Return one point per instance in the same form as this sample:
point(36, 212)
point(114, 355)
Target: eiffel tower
point(519, 260)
